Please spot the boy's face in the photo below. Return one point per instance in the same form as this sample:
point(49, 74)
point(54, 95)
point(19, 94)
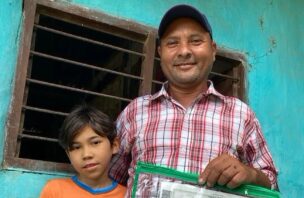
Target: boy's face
point(90, 155)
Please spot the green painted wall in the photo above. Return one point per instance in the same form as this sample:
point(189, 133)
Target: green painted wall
point(270, 34)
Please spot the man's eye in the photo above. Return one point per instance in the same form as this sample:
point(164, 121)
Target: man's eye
point(172, 43)
point(196, 41)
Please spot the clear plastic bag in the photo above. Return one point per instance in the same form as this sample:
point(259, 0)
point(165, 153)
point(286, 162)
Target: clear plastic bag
point(155, 181)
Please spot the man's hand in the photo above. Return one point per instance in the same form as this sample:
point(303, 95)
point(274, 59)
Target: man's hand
point(227, 170)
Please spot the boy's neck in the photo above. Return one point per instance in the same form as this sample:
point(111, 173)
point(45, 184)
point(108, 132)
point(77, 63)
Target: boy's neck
point(96, 183)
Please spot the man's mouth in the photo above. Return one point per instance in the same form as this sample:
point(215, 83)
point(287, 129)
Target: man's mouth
point(184, 64)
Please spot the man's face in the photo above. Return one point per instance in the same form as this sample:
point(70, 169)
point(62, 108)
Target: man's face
point(187, 53)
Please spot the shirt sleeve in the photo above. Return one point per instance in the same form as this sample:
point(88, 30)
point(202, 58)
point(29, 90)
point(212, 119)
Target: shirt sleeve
point(49, 191)
point(257, 154)
point(120, 162)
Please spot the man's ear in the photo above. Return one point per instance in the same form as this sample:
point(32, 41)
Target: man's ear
point(115, 145)
point(214, 47)
point(159, 50)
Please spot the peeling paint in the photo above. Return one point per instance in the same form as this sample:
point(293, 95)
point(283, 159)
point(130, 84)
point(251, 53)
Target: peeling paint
point(273, 42)
point(261, 22)
point(272, 45)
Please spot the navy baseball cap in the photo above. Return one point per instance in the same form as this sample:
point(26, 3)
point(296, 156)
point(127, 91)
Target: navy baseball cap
point(183, 10)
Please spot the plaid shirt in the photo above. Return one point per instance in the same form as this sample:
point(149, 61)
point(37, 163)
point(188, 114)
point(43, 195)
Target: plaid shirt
point(157, 129)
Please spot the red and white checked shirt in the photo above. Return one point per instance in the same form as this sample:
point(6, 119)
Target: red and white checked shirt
point(157, 129)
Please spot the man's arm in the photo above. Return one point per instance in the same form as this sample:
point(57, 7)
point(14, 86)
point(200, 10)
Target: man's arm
point(227, 170)
point(120, 162)
point(250, 163)
point(119, 168)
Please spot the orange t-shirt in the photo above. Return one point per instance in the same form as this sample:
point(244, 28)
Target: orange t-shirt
point(67, 188)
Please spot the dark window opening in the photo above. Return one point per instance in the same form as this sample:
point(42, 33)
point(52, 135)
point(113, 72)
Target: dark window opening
point(66, 70)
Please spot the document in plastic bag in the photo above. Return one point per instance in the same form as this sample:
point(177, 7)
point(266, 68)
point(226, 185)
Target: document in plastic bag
point(155, 181)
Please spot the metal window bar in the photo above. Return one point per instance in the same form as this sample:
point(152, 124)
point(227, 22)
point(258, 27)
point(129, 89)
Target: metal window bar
point(157, 82)
point(234, 80)
point(44, 110)
point(88, 40)
point(76, 89)
point(36, 137)
point(83, 65)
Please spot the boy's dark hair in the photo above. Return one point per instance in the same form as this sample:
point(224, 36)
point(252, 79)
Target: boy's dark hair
point(85, 115)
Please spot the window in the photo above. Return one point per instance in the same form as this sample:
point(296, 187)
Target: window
point(70, 55)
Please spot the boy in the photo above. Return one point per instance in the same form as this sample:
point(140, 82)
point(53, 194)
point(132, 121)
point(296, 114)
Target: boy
point(89, 138)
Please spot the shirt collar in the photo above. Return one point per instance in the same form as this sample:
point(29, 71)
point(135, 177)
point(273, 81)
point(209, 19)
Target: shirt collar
point(210, 91)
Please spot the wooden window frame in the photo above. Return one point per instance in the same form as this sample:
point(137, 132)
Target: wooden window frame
point(239, 89)
point(94, 19)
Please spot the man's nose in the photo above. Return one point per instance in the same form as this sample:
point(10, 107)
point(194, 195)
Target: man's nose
point(184, 50)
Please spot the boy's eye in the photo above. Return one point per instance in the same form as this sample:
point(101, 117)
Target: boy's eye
point(74, 147)
point(95, 142)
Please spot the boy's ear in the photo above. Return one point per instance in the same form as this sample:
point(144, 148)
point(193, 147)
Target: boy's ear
point(115, 145)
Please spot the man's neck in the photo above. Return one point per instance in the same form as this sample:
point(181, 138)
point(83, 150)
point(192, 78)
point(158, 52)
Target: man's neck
point(186, 96)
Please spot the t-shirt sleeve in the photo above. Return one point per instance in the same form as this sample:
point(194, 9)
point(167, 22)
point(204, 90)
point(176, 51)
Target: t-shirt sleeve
point(50, 190)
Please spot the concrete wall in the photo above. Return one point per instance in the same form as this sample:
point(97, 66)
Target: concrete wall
point(270, 34)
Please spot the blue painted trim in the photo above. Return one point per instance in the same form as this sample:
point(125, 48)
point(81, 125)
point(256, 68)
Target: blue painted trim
point(96, 190)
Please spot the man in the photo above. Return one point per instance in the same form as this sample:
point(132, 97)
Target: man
point(188, 125)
